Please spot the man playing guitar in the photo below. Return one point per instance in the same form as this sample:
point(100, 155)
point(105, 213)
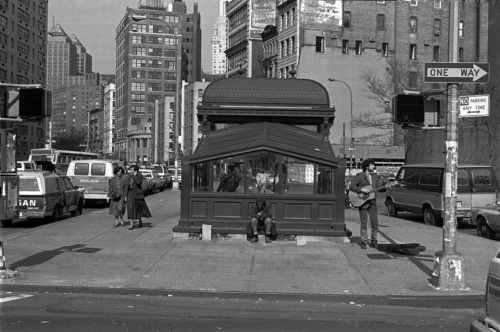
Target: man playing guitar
point(362, 185)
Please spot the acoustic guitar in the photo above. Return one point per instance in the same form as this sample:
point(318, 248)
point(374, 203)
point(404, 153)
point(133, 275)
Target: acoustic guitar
point(359, 199)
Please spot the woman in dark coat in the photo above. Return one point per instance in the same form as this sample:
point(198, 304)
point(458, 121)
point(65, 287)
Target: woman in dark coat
point(136, 205)
point(116, 193)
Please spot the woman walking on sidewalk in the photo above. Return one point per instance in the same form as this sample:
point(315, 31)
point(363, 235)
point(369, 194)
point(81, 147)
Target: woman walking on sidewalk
point(136, 205)
point(116, 194)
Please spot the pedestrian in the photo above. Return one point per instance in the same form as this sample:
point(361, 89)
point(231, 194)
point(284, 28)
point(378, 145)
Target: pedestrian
point(136, 205)
point(116, 195)
point(261, 219)
point(364, 185)
point(229, 181)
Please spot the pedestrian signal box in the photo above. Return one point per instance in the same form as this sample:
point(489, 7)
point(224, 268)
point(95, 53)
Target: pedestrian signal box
point(35, 103)
point(408, 109)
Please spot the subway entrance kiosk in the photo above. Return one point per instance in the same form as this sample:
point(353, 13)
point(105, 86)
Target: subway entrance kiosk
point(274, 133)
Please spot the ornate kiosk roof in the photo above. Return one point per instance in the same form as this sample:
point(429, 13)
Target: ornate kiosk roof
point(244, 100)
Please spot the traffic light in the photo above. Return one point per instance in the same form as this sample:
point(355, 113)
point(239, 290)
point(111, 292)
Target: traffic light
point(35, 103)
point(408, 109)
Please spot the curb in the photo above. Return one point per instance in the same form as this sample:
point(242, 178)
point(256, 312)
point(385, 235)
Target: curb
point(438, 301)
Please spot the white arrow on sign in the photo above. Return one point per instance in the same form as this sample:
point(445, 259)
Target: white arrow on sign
point(475, 72)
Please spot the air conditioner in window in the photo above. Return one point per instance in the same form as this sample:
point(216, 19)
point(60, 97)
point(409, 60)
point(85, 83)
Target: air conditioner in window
point(372, 39)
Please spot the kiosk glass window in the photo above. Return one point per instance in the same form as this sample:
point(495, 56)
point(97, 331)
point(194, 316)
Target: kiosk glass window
point(298, 176)
point(261, 172)
point(201, 174)
point(325, 179)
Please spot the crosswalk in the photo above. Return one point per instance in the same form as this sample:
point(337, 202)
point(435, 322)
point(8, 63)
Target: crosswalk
point(8, 296)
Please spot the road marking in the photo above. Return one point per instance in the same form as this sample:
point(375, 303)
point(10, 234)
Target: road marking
point(13, 298)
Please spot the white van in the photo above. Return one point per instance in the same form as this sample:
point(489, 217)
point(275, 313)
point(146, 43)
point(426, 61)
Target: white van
point(94, 176)
point(419, 189)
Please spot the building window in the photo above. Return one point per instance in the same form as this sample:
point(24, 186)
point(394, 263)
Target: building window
point(320, 44)
point(380, 22)
point(461, 29)
point(413, 24)
point(385, 49)
point(436, 54)
point(139, 50)
point(461, 54)
point(139, 27)
point(282, 53)
point(346, 21)
point(413, 52)
point(381, 1)
point(359, 47)
point(437, 4)
point(138, 86)
point(138, 63)
point(345, 46)
point(412, 79)
point(437, 27)
point(283, 22)
point(413, 2)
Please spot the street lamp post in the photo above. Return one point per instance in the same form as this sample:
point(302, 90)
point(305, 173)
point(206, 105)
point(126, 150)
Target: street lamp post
point(137, 18)
point(351, 146)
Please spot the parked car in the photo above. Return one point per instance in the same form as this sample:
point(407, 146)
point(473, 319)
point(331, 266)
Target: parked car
point(155, 182)
point(419, 189)
point(487, 220)
point(179, 174)
point(164, 174)
point(45, 194)
point(491, 321)
point(26, 165)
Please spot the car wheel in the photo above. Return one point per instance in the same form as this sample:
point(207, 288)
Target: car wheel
point(391, 208)
point(483, 229)
point(56, 214)
point(78, 210)
point(6, 223)
point(430, 218)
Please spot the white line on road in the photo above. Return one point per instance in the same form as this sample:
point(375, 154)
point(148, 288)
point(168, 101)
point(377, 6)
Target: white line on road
point(13, 298)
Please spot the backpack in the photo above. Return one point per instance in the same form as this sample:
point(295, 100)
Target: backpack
point(232, 183)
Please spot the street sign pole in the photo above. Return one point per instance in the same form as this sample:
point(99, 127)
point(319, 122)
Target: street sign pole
point(448, 273)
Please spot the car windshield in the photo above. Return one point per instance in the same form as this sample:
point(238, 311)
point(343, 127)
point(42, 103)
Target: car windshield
point(159, 169)
point(146, 174)
point(28, 184)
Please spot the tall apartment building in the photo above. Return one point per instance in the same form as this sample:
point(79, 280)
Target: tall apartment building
point(76, 90)
point(219, 41)
point(246, 19)
point(191, 129)
point(146, 72)
point(23, 30)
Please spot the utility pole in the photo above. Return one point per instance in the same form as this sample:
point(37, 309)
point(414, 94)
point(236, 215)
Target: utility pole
point(448, 272)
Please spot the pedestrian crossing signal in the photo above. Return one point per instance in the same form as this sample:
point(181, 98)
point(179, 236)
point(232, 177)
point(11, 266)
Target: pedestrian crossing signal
point(408, 109)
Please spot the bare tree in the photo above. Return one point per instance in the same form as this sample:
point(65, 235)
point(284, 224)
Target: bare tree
point(70, 140)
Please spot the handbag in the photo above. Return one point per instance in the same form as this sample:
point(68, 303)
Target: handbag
point(116, 195)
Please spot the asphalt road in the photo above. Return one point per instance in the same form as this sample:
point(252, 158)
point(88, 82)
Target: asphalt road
point(80, 311)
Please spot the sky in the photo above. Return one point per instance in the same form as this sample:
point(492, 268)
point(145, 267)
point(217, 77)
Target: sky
point(94, 22)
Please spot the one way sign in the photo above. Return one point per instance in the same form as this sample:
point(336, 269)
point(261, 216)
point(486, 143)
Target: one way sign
point(456, 72)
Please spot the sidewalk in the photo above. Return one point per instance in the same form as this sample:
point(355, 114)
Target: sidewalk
point(87, 251)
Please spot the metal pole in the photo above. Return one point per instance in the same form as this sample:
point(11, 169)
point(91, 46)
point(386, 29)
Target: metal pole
point(351, 145)
point(448, 271)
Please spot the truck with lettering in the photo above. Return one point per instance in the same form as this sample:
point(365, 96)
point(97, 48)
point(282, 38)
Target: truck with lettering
point(94, 176)
point(44, 194)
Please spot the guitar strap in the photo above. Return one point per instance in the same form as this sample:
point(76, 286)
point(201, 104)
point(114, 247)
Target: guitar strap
point(369, 178)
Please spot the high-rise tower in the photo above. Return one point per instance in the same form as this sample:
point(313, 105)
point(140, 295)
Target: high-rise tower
point(149, 42)
point(219, 41)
